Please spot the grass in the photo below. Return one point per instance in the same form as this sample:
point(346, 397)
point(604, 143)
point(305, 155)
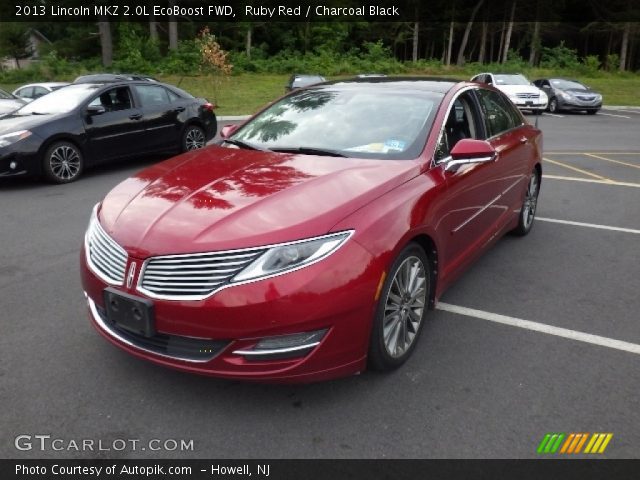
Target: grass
point(246, 93)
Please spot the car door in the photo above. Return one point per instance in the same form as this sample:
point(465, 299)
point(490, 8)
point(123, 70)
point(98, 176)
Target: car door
point(163, 112)
point(514, 145)
point(465, 218)
point(117, 131)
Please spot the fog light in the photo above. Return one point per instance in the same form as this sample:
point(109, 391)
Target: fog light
point(284, 346)
point(13, 165)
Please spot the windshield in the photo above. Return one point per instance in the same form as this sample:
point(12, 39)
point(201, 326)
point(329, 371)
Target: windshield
point(567, 84)
point(511, 80)
point(352, 123)
point(59, 101)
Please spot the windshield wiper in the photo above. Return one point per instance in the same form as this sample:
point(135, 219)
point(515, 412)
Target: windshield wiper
point(246, 145)
point(38, 113)
point(310, 151)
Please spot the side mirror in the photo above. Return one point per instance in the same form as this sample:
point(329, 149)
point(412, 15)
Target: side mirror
point(468, 151)
point(228, 130)
point(95, 110)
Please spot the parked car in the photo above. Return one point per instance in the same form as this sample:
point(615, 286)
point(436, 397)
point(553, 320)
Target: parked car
point(565, 94)
point(9, 102)
point(81, 125)
point(36, 90)
point(300, 81)
point(314, 238)
point(112, 77)
point(520, 91)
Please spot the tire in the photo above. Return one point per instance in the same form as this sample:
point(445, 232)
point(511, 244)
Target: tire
point(62, 163)
point(529, 205)
point(193, 138)
point(536, 112)
point(592, 112)
point(553, 106)
point(387, 350)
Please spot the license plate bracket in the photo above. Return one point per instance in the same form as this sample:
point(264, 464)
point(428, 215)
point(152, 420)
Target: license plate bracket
point(130, 313)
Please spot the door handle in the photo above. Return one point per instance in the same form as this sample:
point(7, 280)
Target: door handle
point(135, 116)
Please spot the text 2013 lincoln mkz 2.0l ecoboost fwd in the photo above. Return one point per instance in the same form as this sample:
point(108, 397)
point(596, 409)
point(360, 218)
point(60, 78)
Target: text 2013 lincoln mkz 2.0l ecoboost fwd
point(314, 239)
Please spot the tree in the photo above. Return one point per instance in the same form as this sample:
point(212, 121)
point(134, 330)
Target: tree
point(624, 47)
point(465, 37)
point(106, 42)
point(507, 35)
point(14, 41)
point(173, 30)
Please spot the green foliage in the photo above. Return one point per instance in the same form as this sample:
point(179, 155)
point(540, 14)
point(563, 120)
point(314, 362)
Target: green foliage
point(185, 60)
point(559, 57)
point(14, 41)
point(136, 52)
point(613, 62)
point(590, 65)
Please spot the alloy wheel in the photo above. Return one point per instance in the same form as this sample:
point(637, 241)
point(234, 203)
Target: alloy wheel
point(404, 306)
point(194, 139)
point(530, 202)
point(65, 162)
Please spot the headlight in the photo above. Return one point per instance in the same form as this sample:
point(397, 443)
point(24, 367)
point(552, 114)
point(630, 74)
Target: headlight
point(598, 97)
point(292, 256)
point(9, 138)
point(566, 96)
point(543, 97)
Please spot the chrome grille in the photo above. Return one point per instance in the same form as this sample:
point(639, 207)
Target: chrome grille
point(528, 95)
point(193, 276)
point(105, 257)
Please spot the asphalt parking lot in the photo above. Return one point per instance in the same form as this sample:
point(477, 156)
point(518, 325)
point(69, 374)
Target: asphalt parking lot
point(503, 361)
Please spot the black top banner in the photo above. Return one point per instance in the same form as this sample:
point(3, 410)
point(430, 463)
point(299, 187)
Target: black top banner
point(574, 11)
point(320, 469)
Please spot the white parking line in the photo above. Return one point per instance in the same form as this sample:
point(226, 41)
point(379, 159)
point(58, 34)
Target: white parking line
point(612, 115)
point(620, 110)
point(542, 328)
point(553, 115)
point(589, 225)
point(591, 180)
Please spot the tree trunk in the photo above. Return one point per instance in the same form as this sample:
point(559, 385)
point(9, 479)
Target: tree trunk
point(535, 40)
point(450, 45)
point(106, 43)
point(416, 32)
point(465, 37)
point(247, 46)
point(507, 36)
point(625, 46)
point(483, 43)
point(173, 30)
point(500, 46)
point(153, 28)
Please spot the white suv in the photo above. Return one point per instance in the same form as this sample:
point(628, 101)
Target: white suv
point(520, 91)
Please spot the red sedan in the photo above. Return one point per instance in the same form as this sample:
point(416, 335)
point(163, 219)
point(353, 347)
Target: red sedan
point(314, 239)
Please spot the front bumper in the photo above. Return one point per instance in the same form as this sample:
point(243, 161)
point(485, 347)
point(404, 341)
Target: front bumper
point(529, 105)
point(20, 158)
point(335, 294)
point(577, 104)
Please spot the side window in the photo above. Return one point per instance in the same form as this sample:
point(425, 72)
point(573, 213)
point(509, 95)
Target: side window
point(461, 123)
point(498, 112)
point(25, 92)
point(114, 99)
point(151, 95)
point(39, 91)
point(172, 96)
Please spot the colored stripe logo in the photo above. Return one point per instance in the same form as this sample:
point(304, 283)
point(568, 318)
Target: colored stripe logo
point(572, 443)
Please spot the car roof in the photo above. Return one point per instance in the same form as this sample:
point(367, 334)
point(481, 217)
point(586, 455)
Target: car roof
point(112, 77)
point(428, 84)
point(43, 84)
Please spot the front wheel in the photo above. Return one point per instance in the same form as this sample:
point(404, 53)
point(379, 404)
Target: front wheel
point(553, 105)
point(401, 310)
point(193, 138)
point(63, 162)
point(528, 210)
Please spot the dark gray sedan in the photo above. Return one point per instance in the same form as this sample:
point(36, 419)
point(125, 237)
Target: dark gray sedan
point(565, 94)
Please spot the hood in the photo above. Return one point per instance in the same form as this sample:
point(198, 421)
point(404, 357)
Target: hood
point(11, 123)
point(9, 105)
point(513, 89)
point(579, 91)
point(221, 198)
